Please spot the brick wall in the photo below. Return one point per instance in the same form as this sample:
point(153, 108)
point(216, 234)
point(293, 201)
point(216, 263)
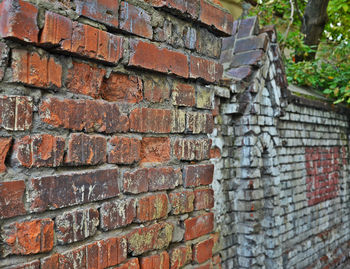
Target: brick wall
point(106, 107)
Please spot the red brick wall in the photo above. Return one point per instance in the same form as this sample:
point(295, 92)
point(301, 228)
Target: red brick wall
point(106, 107)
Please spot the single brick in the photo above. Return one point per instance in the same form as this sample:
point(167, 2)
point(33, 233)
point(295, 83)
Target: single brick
point(198, 226)
point(217, 18)
point(204, 98)
point(76, 225)
point(149, 56)
point(185, 7)
point(205, 69)
point(192, 149)
point(135, 20)
point(204, 199)
point(152, 207)
point(106, 253)
point(16, 113)
point(199, 123)
point(153, 237)
point(5, 144)
point(18, 20)
point(117, 214)
point(181, 202)
point(36, 70)
point(164, 178)
point(86, 150)
point(178, 123)
point(50, 262)
point(4, 55)
point(156, 89)
point(122, 88)
point(132, 263)
point(248, 27)
point(28, 237)
point(72, 258)
point(11, 199)
point(136, 181)
point(149, 120)
point(81, 39)
point(252, 43)
point(247, 58)
point(155, 149)
point(203, 251)
point(196, 175)
point(158, 261)
point(88, 115)
point(54, 192)
point(180, 256)
point(43, 150)
point(124, 150)
point(183, 95)
point(85, 79)
point(102, 11)
point(208, 44)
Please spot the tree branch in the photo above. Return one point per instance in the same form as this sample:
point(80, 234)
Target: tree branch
point(291, 19)
point(300, 15)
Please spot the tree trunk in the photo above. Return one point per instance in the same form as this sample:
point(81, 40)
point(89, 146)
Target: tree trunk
point(314, 20)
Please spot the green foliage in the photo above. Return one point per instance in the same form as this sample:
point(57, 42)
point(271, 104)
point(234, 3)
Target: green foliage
point(330, 72)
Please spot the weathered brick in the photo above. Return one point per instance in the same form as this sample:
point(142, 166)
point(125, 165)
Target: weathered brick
point(81, 39)
point(190, 37)
point(158, 261)
point(149, 56)
point(205, 69)
point(252, 43)
point(192, 149)
point(163, 178)
point(180, 256)
point(199, 123)
point(4, 56)
point(49, 262)
point(76, 225)
point(5, 143)
point(28, 237)
point(72, 258)
point(149, 120)
point(36, 70)
point(247, 58)
point(208, 44)
point(122, 88)
point(185, 7)
point(240, 72)
point(43, 150)
point(153, 237)
point(156, 89)
point(54, 192)
point(99, 10)
point(152, 207)
point(155, 149)
point(135, 20)
point(124, 150)
point(29, 265)
point(204, 199)
point(178, 123)
point(11, 199)
point(183, 94)
point(16, 113)
point(117, 214)
point(136, 181)
point(132, 263)
point(19, 20)
point(196, 175)
point(88, 115)
point(86, 150)
point(203, 251)
point(204, 98)
point(85, 79)
point(248, 27)
point(181, 202)
point(217, 18)
point(198, 226)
